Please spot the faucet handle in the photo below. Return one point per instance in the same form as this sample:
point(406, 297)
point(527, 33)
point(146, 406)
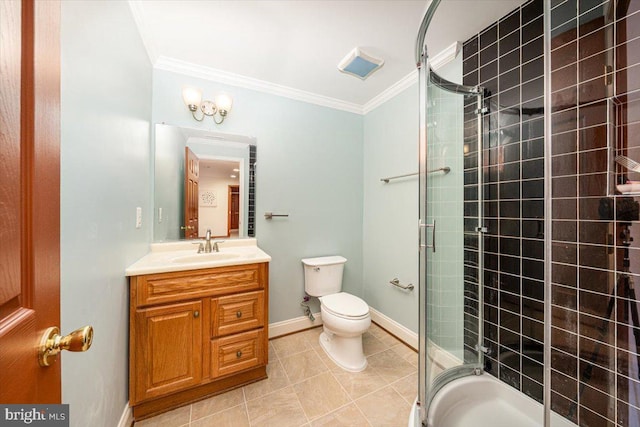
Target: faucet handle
point(200, 248)
point(215, 245)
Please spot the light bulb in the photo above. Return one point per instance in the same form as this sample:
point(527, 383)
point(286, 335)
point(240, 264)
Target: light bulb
point(191, 96)
point(224, 102)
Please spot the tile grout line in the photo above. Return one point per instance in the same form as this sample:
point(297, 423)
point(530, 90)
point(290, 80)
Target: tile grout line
point(244, 404)
point(293, 388)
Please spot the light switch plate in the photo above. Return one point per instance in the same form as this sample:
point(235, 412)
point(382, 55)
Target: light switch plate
point(159, 214)
point(138, 217)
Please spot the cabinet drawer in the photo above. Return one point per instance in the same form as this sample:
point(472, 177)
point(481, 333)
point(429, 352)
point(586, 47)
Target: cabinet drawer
point(237, 313)
point(179, 286)
point(237, 352)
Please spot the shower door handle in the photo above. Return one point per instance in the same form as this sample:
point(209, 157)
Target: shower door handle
point(421, 226)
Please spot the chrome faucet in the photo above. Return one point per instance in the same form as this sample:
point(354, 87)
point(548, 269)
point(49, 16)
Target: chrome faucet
point(207, 245)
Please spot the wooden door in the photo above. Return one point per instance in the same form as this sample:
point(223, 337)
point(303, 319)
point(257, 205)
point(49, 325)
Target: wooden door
point(191, 174)
point(168, 345)
point(233, 221)
point(29, 197)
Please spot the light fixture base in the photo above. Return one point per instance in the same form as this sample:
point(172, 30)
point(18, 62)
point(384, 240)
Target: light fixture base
point(208, 108)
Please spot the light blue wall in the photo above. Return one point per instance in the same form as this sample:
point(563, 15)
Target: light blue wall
point(105, 115)
point(390, 216)
point(310, 166)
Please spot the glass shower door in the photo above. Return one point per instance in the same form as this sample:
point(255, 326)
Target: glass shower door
point(450, 236)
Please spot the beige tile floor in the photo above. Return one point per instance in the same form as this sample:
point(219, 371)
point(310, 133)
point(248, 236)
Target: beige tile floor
point(305, 388)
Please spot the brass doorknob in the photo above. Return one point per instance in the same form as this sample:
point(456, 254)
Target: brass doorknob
point(53, 343)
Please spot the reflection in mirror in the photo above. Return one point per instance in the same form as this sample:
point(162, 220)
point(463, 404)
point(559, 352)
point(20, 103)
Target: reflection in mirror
point(217, 192)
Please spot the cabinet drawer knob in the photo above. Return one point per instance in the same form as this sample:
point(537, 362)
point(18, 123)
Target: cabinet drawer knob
point(238, 314)
point(238, 354)
point(196, 314)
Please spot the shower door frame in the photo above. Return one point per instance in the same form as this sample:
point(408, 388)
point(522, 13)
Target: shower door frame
point(426, 390)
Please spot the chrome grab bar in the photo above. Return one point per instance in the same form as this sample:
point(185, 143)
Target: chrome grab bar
point(396, 282)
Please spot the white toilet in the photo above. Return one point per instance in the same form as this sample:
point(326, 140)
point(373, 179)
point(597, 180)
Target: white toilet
point(345, 317)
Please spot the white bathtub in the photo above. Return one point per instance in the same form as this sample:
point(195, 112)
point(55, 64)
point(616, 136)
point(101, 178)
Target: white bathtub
point(467, 401)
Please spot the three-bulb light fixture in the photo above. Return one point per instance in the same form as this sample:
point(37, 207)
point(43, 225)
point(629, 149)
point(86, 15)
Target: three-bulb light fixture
point(219, 108)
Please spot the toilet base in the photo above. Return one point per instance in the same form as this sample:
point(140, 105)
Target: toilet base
point(346, 352)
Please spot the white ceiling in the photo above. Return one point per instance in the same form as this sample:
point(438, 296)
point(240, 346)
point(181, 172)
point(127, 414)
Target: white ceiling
point(219, 169)
point(297, 44)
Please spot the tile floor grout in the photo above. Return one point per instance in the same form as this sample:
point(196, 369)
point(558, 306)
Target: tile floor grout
point(299, 354)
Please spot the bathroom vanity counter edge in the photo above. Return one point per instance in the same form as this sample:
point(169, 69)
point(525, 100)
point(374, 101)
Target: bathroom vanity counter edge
point(165, 257)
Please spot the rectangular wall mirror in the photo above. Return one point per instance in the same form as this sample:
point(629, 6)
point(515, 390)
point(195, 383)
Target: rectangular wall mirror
point(203, 180)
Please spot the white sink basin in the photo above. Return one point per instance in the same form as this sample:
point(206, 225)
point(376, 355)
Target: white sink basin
point(213, 256)
point(181, 256)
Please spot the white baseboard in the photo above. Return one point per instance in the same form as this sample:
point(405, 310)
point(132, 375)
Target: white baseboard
point(441, 357)
point(290, 326)
point(127, 417)
point(301, 323)
point(406, 335)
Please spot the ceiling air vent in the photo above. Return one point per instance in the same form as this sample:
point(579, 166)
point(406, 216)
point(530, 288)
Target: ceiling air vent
point(359, 64)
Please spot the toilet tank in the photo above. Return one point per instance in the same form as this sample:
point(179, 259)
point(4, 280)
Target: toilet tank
point(323, 275)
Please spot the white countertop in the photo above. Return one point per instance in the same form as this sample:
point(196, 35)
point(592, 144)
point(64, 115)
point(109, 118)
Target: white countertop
point(183, 255)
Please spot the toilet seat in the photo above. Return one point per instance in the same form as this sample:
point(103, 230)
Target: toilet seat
point(345, 305)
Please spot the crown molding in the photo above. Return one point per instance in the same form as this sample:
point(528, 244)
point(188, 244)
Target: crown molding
point(445, 56)
point(138, 16)
point(232, 79)
point(437, 61)
point(207, 73)
point(390, 92)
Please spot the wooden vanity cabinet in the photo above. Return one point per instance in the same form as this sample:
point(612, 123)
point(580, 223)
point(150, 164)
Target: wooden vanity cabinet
point(196, 333)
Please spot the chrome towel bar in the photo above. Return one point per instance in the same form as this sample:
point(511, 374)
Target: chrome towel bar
point(445, 170)
point(269, 215)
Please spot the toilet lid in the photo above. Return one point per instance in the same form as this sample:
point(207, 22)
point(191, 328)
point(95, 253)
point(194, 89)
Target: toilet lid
point(345, 305)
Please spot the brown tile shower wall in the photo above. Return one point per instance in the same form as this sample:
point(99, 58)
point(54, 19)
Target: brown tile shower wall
point(595, 62)
point(595, 84)
point(507, 60)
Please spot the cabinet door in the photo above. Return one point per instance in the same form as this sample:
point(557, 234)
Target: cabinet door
point(168, 349)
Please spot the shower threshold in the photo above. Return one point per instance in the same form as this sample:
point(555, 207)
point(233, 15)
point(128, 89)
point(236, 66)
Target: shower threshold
point(466, 401)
